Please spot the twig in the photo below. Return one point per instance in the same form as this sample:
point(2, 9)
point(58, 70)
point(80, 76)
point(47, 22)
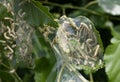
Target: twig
point(84, 8)
point(90, 3)
point(70, 7)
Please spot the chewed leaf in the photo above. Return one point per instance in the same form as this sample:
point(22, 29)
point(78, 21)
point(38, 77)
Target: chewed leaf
point(80, 43)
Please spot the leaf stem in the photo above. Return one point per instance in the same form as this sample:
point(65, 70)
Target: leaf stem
point(91, 78)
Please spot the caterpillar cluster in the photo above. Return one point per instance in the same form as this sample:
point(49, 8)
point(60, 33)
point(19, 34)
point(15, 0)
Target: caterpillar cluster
point(7, 33)
point(24, 43)
point(15, 38)
point(8, 38)
point(77, 42)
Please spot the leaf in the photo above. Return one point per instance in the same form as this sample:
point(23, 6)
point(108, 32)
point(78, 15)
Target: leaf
point(35, 13)
point(3, 12)
point(6, 77)
point(112, 58)
point(45, 59)
point(115, 32)
point(42, 70)
point(42, 67)
point(99, 22)
point(110, 6)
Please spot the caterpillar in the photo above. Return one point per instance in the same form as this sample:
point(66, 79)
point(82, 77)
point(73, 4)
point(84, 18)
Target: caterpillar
point(79, 43)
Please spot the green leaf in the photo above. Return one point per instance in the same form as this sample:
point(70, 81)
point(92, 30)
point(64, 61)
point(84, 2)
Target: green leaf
point(6, 77)
point(110, 6)
point(35, 13)
point(3, 12)
point(112, 58)
point(115, 32)
point(45, 59)
point(43, 68)
point(99, 22)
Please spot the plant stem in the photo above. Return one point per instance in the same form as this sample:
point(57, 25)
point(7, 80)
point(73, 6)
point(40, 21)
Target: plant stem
point(91, 78)
point(17, 77)
point(14, 73)
point(70, 7)
point(90, 3)
point(5, 65)
point(84, 8)
point(77, 73)
point(63, 10)
point(59, 75)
